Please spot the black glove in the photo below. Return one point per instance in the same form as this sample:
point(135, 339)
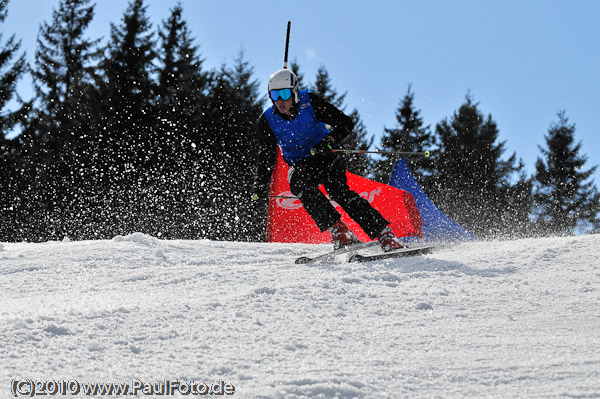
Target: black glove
point(324, 147)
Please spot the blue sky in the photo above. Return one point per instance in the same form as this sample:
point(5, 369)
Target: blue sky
point(522, 61)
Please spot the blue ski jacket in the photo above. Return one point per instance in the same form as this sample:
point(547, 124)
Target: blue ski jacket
point(297, 134)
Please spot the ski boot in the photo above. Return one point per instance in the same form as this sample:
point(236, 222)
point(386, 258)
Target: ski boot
point(388, 240)
point(341, 236)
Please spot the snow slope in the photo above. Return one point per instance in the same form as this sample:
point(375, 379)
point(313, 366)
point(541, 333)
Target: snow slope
point(484, 319)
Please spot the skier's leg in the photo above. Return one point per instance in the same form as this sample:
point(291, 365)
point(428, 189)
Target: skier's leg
point(304, 184)
point(357, 207)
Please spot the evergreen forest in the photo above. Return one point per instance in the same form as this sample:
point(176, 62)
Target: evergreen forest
point(133, 134)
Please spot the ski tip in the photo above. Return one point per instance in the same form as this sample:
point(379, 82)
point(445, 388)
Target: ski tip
point(303, 260)
point(356, 258)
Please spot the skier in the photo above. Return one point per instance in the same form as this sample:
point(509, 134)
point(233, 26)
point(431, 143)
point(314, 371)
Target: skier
point(307, 128)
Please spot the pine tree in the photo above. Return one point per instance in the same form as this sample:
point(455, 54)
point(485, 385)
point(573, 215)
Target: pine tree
point(12, 67)
point(471, 182)
point(410, 135)
point(295, 67)
point(127, 148)
point(126, 87)
point(323, 88)
point(65, 61)
point(63, 76)
point(183, 85)
point(128, 67)
point(566, 201)
point(518, 206)
point(235, 101)
point(179, 181)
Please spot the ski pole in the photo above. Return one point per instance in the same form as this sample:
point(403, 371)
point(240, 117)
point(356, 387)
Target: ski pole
point(405, 153)
point(283, 196)
point(287, 44)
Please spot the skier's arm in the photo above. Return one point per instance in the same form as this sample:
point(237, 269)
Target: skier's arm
point(265, 161)
point(327, 113)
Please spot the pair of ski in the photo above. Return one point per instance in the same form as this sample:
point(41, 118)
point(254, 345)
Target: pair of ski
point(352, 254)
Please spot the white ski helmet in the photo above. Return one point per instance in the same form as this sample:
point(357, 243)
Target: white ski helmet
point(284, 79)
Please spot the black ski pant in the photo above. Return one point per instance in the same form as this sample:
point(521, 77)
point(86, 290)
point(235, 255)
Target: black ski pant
point(307, 175)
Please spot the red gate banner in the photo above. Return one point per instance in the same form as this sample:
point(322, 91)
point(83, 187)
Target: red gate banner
point(289, 222)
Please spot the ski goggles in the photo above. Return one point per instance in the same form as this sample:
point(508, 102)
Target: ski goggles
point(284, 94)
